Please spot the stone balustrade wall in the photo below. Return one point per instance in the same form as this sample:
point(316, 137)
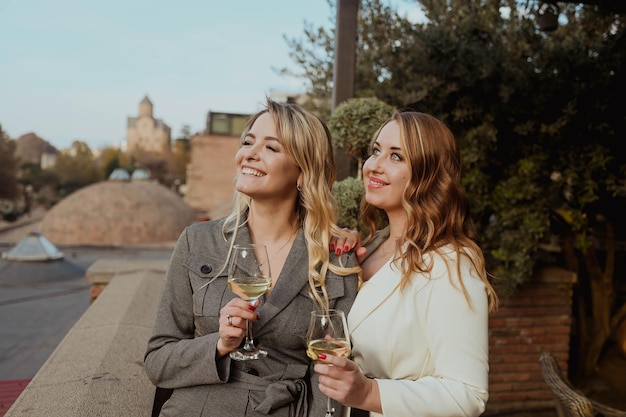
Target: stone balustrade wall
point(97, 370)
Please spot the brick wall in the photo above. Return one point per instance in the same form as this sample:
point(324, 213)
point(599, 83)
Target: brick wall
point(537, 318)
point(211, 173)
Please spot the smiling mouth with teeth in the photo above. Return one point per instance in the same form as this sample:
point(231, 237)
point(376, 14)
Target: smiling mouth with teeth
point(249, 171)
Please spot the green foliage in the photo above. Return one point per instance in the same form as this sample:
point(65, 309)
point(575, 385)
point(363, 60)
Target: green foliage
point(8, 167)
point(348, 193)
point(378, 32)
point(32, 174)
point(538, 117)
point(109, 161)
point(75, 168)
point(185, 134)
point(354, 122)
point(519, 222)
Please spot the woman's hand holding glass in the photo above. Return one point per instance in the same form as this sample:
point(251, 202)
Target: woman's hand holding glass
point(249, 277)
point(233, 317)
point(328, 336)
point(328, 343)
point(342, 380)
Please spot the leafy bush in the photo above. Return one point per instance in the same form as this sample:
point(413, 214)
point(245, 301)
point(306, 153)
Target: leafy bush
point(354, 122)
point(348, 193)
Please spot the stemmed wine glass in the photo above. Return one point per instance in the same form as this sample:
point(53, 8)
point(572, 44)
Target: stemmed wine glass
point(328, 333)
point(249, 277)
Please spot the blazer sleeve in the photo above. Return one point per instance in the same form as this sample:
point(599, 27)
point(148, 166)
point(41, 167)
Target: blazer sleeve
point(457, 336)
point(173, 353)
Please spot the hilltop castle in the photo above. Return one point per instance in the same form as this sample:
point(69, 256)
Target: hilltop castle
point(147, 134)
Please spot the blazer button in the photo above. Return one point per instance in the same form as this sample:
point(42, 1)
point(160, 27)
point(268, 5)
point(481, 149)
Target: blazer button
point(206, 269)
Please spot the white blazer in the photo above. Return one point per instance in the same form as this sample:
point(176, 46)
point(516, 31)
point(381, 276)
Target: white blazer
point(425, 346)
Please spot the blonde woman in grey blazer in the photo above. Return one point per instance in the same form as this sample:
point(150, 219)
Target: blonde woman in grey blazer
point(285, 171)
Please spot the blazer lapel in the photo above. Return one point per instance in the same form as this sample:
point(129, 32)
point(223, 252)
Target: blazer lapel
point(373, 294)
point(293, 277)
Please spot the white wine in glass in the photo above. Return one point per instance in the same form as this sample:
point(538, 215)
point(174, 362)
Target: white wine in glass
point(249, 277)
point(328, 334)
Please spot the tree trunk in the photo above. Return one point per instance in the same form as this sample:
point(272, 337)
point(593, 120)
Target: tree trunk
point(602, 298)
point(580, 303)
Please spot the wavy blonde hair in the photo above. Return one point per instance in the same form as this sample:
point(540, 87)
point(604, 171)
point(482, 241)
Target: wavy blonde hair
point(307, 141)
point(434, 201)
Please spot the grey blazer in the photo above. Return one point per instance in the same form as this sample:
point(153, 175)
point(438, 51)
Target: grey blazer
point(181, 353)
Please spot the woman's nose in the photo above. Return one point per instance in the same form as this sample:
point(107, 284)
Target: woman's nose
point(372, 164)
point(250, 152)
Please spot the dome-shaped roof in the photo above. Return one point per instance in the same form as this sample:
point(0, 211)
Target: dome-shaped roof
point(140, 174)
point(118, 213)
point(119, 174)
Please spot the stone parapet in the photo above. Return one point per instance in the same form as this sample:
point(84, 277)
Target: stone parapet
point(101, 272)
point(97, 370)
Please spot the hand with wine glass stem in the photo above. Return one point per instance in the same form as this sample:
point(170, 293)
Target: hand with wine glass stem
point(249, 277)
point(342, 380)
point(328, 335)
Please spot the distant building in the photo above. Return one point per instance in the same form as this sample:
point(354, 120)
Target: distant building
point(211, 169)
point(289, 97)
point(30, 148)
point(144, 133)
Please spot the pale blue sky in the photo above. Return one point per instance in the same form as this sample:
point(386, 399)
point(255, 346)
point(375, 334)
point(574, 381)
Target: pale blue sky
point(76, 69)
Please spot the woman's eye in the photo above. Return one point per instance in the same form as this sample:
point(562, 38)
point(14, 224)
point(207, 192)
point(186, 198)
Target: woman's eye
point(271, 148)
point(396, 157)
point(375, 151)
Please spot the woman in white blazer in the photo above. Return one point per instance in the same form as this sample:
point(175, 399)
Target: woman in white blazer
point(285, 171)
point(419, 324)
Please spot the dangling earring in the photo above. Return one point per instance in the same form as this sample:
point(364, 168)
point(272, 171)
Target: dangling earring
point(299, 187)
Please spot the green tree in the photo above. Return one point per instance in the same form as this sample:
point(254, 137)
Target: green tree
point(379, 29)
point(111, 158)
point(109, 161)
point(43, 183)
point(539, 120)
point(353, 124)
point(75, 168)
point(8, 167)
point(348, 193)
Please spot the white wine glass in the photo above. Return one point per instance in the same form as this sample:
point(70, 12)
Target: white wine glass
point(328, 334)
point(249, 277)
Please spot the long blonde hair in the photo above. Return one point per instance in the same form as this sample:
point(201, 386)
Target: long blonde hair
point(307, 141)
point(434, 201)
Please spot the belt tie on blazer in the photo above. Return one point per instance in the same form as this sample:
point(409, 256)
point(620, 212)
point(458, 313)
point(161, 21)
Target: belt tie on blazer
point(277, 393)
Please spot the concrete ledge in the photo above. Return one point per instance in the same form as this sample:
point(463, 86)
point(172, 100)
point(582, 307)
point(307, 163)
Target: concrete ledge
point(103, 270)
point(97, 370)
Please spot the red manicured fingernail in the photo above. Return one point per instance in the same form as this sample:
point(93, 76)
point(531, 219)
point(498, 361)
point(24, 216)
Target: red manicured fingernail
point(346, 248)
point(258, 317)
point(251, 307)
point(332, 247)
point(338, 251)
point(321, 356)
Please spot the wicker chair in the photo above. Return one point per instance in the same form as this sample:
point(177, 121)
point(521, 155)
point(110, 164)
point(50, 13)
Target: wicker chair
point(569, 401)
